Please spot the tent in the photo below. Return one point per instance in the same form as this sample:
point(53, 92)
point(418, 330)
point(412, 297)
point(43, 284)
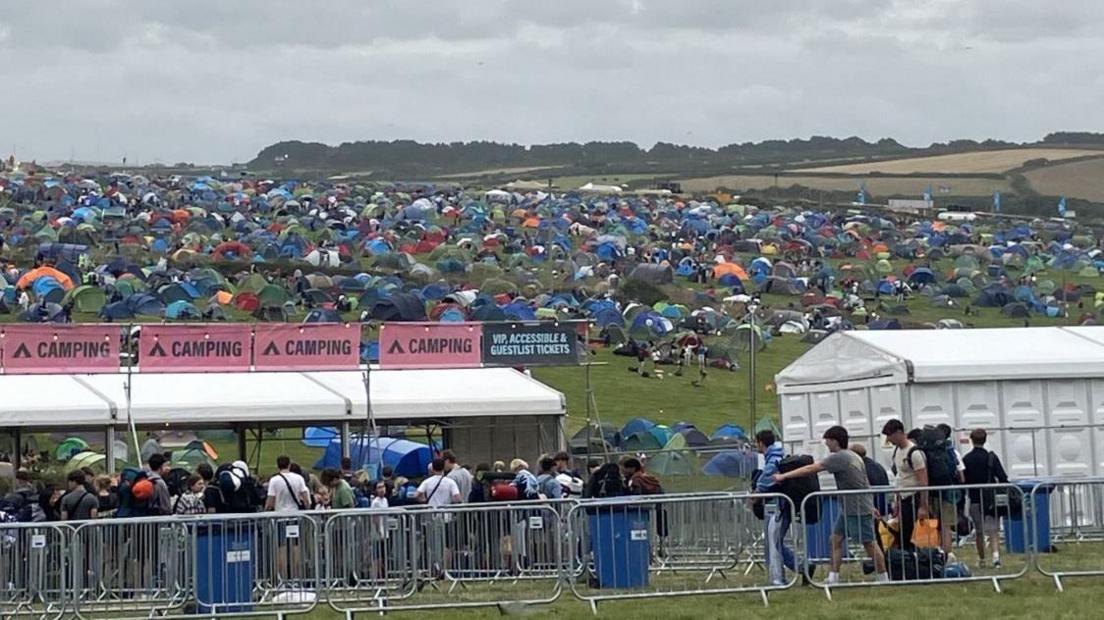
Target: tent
point(318, 437)
point(672, 463)
point(637, 425)
point(653, 274)
point(406, 458)
point(643, 441)
point(732, 463)
point(399, 307)
point(729, 431)
point(85, 298)
point(71, 446)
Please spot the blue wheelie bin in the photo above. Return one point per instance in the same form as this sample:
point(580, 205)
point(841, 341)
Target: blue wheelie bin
point(224, 568)
point(1037, 508)
point(619, 540)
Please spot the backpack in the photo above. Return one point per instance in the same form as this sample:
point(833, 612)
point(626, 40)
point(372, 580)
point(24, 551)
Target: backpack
point(936, 448)
point(607, 482)
point(238, 491)
point(177, 481)
point(129, 505)
point(797, 489)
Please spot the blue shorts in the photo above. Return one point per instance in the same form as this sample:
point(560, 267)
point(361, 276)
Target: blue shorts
point(855, 527)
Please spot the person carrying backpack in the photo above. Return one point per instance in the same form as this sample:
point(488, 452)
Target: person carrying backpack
point(947, 501)
point(910, 466)
point(984, 467)
point(856, 519)
point(777, 520)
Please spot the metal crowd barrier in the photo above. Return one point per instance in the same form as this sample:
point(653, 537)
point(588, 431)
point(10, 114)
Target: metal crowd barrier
point(854, 544)
point(463, 556)
point(34, 570)
point(658, 546)
point(512, 555)
point(1069, 528)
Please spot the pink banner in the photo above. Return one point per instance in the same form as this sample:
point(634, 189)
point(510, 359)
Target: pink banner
point(320, 346)
point(430, 345)
point(195, 348)
point(47, 348)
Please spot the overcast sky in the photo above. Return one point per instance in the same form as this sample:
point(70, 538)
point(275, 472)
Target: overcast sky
point(216, 81)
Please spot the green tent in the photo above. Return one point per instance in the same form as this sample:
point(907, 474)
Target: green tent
point(672, 463)
point(272, 295)
point(85, 298)
point(69, 447)
point(767, 424)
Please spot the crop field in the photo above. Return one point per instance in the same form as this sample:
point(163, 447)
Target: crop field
point(879, 186)
point(961, 163)
point(1076, 179)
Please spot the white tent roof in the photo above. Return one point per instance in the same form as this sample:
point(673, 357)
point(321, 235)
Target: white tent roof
point(928, 356)
point(290, 398)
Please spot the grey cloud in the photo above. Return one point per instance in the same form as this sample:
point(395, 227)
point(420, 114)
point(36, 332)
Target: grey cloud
point(214, 81)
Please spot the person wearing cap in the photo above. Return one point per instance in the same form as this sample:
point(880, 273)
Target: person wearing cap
point(912, 473)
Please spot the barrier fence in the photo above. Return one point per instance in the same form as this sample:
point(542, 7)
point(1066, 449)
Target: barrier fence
point(1069, 525)
point(513, 555)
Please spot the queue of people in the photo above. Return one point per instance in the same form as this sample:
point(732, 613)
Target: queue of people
point(887, 525)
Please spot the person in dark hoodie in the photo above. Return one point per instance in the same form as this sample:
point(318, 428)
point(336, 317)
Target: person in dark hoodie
point(637, 480)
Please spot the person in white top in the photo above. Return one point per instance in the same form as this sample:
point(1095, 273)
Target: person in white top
point(437, 490)
point(287, 491)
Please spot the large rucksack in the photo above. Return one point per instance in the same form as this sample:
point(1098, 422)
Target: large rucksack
point(606, 482)
point(918, 565)
point(129, 505)
point(237, 489)
point(797, 489)
point(937, 456)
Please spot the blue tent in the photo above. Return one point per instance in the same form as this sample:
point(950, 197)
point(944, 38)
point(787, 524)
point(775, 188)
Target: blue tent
point(729, 431)
point(636, 425)
point(885, 324)
point(319, 436)
point(118, 311)
point(923, 275)
point(520, 311)
point(732, 463)
point(406, 458)
point(145, 304)
point(322, 316)
point(182, 310)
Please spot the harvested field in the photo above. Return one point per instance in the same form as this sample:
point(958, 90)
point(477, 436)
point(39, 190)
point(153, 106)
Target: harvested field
point(961, 163)
point(878, 186)
point(1077, 179)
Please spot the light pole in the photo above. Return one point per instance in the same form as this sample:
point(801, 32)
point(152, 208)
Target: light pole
point(753, 307)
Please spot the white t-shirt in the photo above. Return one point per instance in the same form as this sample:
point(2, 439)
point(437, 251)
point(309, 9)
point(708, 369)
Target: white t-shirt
point(438, 495)
point(288, 494)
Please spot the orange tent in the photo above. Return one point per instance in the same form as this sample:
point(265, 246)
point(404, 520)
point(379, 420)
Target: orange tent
point(533, 222)
point(724, 269)
point(29, 278)
point(224, 298)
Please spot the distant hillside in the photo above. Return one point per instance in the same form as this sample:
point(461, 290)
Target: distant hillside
point(410, 159)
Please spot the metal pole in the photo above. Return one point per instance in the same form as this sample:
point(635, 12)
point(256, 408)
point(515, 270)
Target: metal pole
point(370, 417)
point(109, 449)
point(127, 388)
point(586, 375)
point(751, 373)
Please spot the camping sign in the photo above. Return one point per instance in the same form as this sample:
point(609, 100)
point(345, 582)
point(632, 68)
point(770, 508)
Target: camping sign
point(429, 345)
point(34, 349)
point(195, 348)
point(530, 344)
point(318, 346)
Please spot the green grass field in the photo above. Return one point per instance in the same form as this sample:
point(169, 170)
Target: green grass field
point(1031, 598)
